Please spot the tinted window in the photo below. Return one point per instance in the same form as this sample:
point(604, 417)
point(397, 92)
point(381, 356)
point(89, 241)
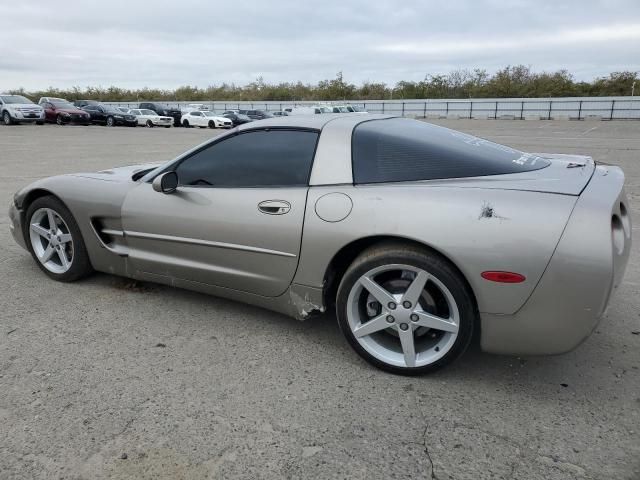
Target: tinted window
point(397, 150)
point(253, 159)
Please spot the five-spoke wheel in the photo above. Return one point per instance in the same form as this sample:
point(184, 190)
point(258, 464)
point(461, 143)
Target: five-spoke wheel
point(51, 240)
point(405, 310)
point(55, 240)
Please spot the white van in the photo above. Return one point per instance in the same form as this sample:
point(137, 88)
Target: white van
point(311, 110)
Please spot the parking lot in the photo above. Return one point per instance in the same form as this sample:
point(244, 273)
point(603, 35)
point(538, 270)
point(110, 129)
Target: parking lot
point(110, 378)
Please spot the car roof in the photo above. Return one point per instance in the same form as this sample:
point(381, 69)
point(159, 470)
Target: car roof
point(317, 121)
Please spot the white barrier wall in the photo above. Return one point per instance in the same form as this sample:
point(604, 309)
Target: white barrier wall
point(606, 108)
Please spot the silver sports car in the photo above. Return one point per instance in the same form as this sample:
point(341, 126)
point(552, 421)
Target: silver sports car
point(419, 236)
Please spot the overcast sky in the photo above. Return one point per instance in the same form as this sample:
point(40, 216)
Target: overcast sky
point(168, 43)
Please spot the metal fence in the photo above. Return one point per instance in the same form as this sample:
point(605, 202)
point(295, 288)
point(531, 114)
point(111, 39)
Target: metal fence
point(580, 108)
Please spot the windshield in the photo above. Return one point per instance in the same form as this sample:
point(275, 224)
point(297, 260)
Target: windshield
point(15, 99)
point(62, 104)
point(210, 114)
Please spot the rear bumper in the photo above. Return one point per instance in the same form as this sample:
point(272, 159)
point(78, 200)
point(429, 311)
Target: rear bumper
point(585, 270)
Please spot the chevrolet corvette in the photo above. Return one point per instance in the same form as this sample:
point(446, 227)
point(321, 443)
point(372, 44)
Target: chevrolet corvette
point(417, 236)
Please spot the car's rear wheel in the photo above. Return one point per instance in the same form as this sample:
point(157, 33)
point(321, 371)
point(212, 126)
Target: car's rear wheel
point(212, 124)
point(405, 310)
point(110, 122)
point(149, 124)
point(185, 123)
point(55, 241)
point(6, 118)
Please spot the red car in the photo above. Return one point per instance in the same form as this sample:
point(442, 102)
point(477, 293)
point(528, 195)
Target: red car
point(60, 111)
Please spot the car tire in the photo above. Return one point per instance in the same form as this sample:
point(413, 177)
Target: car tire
point(185, 124)
point(149, 124)
point(212, 124)
point(111, 122)
point(445, 301)
point(74, 250)
point(6, 118)
point(59, 120)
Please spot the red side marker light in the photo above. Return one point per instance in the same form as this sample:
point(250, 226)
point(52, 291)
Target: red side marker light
point(503, 277)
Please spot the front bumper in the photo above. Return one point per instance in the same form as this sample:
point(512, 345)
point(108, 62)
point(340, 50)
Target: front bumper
point(15, 226)
point(127, 123)
point(76, 120)
point(585, 270)
point(19, 116)
point(163, 122)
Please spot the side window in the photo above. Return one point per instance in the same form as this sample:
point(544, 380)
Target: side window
point(253, 159)
point(399, 150)
point(196, 114)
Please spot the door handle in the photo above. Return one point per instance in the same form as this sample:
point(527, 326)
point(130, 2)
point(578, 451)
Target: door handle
point(274, 207)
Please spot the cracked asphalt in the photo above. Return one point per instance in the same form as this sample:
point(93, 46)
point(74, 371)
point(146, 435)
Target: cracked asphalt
point(110, 378)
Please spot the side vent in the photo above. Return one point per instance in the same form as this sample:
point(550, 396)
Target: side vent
point(111, 236)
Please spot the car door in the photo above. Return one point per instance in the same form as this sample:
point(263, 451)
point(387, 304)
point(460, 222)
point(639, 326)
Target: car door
point(92, 111)
point(49, 111)
point(197, 118)
point(235, 220)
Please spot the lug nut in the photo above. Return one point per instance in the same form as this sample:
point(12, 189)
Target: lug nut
point(404, 326)
point(406, 304)
point(391, 305)
point(390, 319)
point(414, 317)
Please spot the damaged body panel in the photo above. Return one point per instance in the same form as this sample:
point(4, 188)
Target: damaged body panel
point(285, 241)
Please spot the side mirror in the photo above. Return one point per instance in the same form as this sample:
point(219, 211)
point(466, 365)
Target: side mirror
point(166, 183)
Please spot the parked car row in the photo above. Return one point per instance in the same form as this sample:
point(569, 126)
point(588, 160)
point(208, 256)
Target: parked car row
point(19, 109)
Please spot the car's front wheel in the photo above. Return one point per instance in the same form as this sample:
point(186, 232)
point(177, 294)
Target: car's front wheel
point(405, 310)
point(110, 122)
point(55, 241)
point(149, 124)
point(212, 124)
point(59, 120)
point(6, 118)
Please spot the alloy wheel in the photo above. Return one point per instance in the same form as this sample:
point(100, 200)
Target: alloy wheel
point(51, 240)
point(403, 315)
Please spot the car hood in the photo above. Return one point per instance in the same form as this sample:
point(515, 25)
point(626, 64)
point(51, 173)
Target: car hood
point(566, 175)
point(23, 105)
point(70, 110)
point(118, 174)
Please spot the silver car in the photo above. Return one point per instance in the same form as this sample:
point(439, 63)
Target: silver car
point(419, 237)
